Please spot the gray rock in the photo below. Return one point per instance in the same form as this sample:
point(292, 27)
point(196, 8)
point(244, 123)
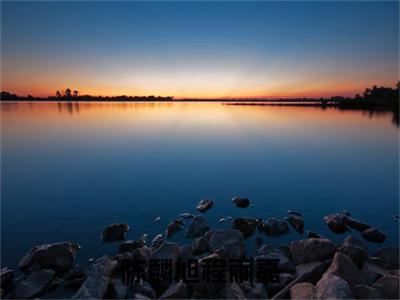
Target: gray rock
point(140, 296)
point(284, 280)
point(267, 252)
point(388, 286)
point(114, 232)
point(309, 250)
point(6, 276)
point(200, 245)
point(241, 202)
point(120, 289)
point(34, 284)
point(313, 235)
point(232, 250)
point(204, 205)
point(176, 290)
point(362, 291)
point(144, 288)
point(356, 224)
point(331, 286)
point(355, 249)
point(246, 226)
point(296, 221)
point(307, 267)
point(257, 291)
point(185, 251)
point(58, 256)
point(173, 228)
point(389, 257)
point(275, 227)
point(233, 291)
point(98, 278)
point(372, 272)
point(218, 238)
point(157, 241)
point(129, 246)
point(166, 251)
point(197, 227)
point(373, 235)
point(344, 267)
point(303, 290)
point(336, 223)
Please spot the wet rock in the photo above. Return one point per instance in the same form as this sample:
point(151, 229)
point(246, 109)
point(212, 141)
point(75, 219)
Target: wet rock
point(233, 249)
point(336, 223)
point(129, 246)
point(34, 284)
point(362, 291)
point(275, 227)
point(356, 224)
point(176, 290)
point(233, 291)
point(119, 289)
point(144, 288)
point(389, 257)
point(309, 250)
point(355, 249)
point(6, 276)
point(296, 221)
point(166, 251)
point(186, 216)
point(185, 251)
point(58, 256)
point(204, 205)
point(255, 291)
point(197, 227)
point(331, 286)
point(157, 241)
point(96, 284)
point(373, 235)
point(246, 226)
point(200, 245)
point(388, 286)
point(372, 272)
point(268, 252)
point(173, 228)
point(304, 290)
point(344, 267)
point(313, 235)
point(241, 202)
point(258, 241)
point(218, 238)
point(114, 232)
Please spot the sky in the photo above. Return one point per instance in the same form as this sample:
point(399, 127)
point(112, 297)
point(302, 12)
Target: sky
point(199, 49)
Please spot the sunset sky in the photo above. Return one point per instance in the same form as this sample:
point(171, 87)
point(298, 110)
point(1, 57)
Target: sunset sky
point(199, 49)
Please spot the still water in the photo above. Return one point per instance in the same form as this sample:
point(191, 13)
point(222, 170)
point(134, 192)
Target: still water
point(68, 170)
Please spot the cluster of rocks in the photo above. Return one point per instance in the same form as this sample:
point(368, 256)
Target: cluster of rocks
point(310, 268)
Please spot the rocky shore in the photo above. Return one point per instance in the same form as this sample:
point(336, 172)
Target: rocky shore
point(312, 267)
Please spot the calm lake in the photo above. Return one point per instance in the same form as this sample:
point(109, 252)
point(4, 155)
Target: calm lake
point(70, 169)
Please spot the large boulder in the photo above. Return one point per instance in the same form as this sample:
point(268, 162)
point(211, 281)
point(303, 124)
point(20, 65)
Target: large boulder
point(246, 226)
point(34, 284)
point(388, 286)
point(268, 252)
point(275, 227)
point(197, 227)
point(256, 291)
point(6, 276)
point(309, 250)
point(373, 235)
point(129, 246)
point(119, 289)
point(303, 290)
point(233, 291)
point(185, 251)
point(331, 286)
point(114, 232)
point(58, 256)
point(344, 267)
point(177, 290)
point(355, 249)
point(166, 251)
point(98, 278)
point(389, 257)
point(200, 246)
point(336, 223)
point(362, 291)
point(218, 238)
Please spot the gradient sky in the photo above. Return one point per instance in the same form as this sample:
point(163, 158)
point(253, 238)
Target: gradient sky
point(199, 49)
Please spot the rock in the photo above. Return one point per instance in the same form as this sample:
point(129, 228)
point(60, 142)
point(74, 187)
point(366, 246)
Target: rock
point(185, 251)
point(157, 241)
point(114, 232)
point(75, 283)
point(143, 238)
point(218, 238)
point(331, 286)
point(260, 225)
point(176, 290)
point(6, 276)
point(140, 254)
point(355, 249)
point(373, 235)
point(344, 267)
point(296, 221)
point(307, 267)
point(173, 228)
point(140, 296)
point(336, 223)
point(241, 202)
point(313, 235)
point(205, 205)
point(267, 252)
point(275, 227)
point(232, 250)
point(304, 290)
point(258, 241)
point(233, 291)
point(200, 246)
point(186, 216)
point(166, 251)
point(120, 289)
point(284, 280)
point(372, 272)
point(389, 257)
point(256, 291)
point(388, 286)
point(58, 256)
point(362, 291)
point(156, 220)
point(222, 220)
point(309, 250)
point(197, 227)
point(356, 224)
point(96, 284)
point(129, 246)
point(246, 226)
point(144, 288)
point(34, 284)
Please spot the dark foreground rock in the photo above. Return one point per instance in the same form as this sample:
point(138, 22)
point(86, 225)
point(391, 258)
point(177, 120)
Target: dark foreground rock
point(301, 291)
point(166, 251)
point(176, 290)
point(355, 249)
point(373, 235)
point(389, 257)
point(362, 291)
point(388, 286)
point(173, 228)
point(34, 284)
point(296, 221)
point(336, 223)
point(197, 227)
point(246, 226)
point(310, 250)
point(345, 268)
point(275, 227)
point(58, 256)
point(6, 276)
point(331, 286)
point(114, 232)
